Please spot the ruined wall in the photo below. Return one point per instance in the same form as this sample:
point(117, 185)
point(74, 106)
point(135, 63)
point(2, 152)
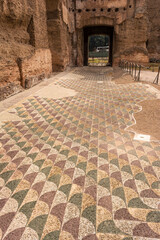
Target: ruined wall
point(129, 19)
point(60, 23)
point(153, 43)
point(132, 20)
point(132, 34)
point(23, 31)
point(135, 22)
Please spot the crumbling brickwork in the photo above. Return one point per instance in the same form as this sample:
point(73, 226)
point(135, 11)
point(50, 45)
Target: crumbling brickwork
point(23, 33)
point(60, 22)
point(153, 43)
point(129, 20)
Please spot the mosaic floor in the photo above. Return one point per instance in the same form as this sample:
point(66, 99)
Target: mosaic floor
point(69, 170)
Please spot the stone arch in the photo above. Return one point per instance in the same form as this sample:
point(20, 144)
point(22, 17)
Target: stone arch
point(96, 21)
point(96, 30)
point(104, 24)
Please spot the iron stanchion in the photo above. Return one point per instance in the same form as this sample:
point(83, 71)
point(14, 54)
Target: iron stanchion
point(135, 72)
point(132, 68)
point(157, 77)
point(139, 73)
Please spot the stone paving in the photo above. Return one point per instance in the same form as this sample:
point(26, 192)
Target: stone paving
point(70, 170)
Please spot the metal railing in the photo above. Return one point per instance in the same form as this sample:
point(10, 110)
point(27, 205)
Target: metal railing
point(134, 69)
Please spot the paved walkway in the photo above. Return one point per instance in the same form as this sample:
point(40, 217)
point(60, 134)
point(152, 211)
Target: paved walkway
point(149, 76)
point(69, 169)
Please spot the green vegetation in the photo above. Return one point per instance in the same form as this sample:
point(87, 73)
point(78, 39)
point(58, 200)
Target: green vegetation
point(97, 41)
point(98, 54)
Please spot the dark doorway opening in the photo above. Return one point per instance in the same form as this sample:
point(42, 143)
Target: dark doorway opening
point(97, 31)
point(98, 50)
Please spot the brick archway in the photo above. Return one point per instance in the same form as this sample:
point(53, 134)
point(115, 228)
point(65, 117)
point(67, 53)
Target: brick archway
point(93, 30)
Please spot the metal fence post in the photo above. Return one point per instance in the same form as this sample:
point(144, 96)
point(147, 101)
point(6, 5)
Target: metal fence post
point(132, 68)
point(157, 77)
point(135, 72)
point(139, 73)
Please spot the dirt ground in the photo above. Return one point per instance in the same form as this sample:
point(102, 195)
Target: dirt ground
point(153, 85)
point(120, 77)
point(148, 120)
point(125, 79)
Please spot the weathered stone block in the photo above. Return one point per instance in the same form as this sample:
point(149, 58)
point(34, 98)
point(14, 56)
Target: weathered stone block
point(38, 65)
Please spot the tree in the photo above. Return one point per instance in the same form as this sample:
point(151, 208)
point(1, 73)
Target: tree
point(98, 41)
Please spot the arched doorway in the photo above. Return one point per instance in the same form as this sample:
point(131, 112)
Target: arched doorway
point(90, 31)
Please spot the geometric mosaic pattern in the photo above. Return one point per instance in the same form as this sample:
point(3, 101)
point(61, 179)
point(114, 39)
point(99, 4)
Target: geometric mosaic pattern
point(69, 170)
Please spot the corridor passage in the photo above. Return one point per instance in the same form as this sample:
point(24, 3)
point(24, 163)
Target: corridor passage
point(69, 167)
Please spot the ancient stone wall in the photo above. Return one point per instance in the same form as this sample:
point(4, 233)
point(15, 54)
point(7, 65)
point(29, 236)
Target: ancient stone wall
point(153, 43)
point(131, 20)
point(60, 22)
point(127, 17)
point(23, 31)
point(135, 23)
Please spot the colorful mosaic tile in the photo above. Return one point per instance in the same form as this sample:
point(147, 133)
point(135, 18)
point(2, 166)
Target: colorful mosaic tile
point(69, 170)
